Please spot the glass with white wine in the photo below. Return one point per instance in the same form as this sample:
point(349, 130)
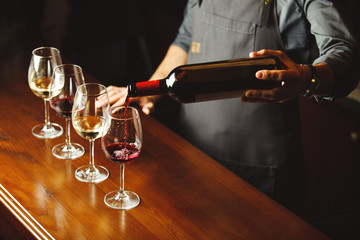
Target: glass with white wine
point(88, 119)
point(43, 61)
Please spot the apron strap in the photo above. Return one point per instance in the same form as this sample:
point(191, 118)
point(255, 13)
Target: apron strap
point(266, 12)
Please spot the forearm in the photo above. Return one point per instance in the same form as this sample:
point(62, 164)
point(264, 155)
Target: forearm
point(337, 48)
point(174, 57)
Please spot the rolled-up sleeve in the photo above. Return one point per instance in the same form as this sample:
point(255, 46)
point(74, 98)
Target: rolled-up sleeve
point(183, 38)
point(336, 46)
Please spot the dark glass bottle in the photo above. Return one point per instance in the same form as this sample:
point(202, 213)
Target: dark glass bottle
point(209, 81)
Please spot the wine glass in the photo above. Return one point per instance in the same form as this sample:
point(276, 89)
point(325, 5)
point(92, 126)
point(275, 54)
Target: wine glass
point(88, 119)
point(43, 61)
point(67, 78)
point(121, 144)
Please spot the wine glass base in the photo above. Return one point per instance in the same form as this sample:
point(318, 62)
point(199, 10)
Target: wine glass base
point(84, 174)
point(52, 130)
point(116, 200)
point(64, 151)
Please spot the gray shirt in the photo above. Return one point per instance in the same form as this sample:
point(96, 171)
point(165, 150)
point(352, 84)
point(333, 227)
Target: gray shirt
point(301, 23)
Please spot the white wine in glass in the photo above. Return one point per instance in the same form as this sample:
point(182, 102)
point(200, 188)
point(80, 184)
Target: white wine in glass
point(88, 120)
point(42, 64)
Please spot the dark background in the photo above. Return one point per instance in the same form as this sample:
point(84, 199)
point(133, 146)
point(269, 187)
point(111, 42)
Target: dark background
point(116, 41)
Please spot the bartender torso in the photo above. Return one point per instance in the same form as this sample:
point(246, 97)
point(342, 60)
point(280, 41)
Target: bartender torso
point(259, 142)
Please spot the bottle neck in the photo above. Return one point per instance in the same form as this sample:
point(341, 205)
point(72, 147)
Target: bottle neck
point(147, 88)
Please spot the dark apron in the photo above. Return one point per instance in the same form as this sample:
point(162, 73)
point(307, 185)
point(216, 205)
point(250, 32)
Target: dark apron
point(259, 142)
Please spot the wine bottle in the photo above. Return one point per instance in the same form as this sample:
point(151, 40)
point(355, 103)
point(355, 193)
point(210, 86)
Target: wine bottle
point(210, 81)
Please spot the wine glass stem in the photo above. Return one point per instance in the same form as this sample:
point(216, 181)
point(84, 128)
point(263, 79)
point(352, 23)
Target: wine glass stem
point(67, 132)
point(92, 161)
point(47, 115)
point(122, 179)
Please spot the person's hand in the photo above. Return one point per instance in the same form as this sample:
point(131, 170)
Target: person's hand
point(294, 78)
point(146, 103)
point(117, 97)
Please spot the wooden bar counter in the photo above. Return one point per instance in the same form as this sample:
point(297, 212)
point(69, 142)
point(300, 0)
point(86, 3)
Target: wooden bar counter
point(184, 193)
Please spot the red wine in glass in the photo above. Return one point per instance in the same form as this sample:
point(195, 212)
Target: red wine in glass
point(63, 107)
point(122, 152)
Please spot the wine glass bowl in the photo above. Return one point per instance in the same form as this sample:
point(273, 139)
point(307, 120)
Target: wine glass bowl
point(122, 143)
point(42, 63)
point(88, 119)
point(67, 78)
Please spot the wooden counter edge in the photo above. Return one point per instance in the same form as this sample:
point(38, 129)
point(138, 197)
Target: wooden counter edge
point(23, 216)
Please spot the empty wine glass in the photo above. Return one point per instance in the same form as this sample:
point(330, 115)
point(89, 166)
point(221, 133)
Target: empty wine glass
point(88, 120)
point(67, 78)
point(43, 61)
point(121, 144)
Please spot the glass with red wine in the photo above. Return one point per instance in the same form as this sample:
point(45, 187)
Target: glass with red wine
point(67, 78)
point(42, 63)
point(122, 143)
